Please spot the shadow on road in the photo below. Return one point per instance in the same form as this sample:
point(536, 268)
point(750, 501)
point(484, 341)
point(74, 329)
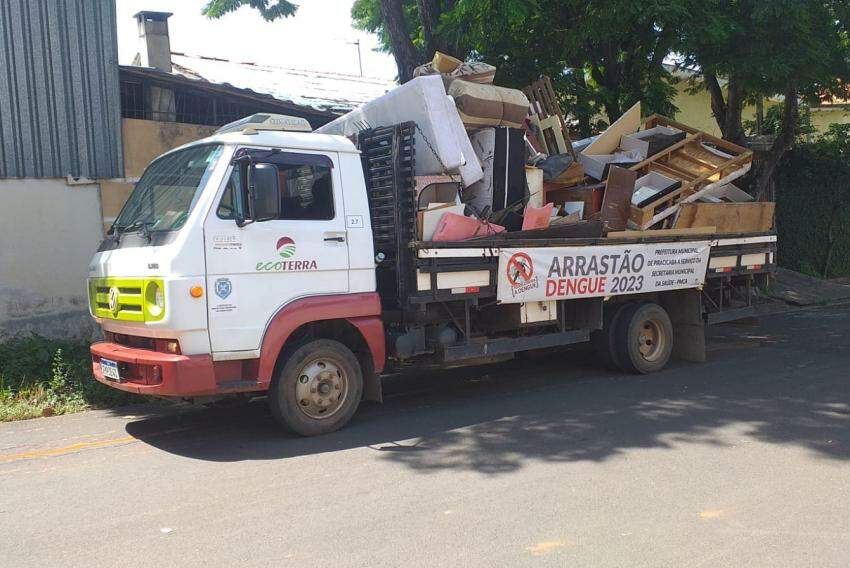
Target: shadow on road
point(783, 382)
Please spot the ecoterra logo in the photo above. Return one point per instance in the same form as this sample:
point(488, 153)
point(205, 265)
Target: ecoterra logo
point(286, 249)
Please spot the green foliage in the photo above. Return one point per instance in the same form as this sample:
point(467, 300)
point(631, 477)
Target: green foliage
point(764, 44)
point(269, 9)
point(601, 56)
point(813, 205)
point(757, 49)
point(773, 122)
point(43, 376)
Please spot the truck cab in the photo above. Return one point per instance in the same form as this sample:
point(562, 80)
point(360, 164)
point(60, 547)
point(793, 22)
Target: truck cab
point(228, 246)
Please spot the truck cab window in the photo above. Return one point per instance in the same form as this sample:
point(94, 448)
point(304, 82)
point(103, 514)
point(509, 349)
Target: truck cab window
point(306, 192)
point(227, 205)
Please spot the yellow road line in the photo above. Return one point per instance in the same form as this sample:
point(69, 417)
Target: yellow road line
point(67, 449)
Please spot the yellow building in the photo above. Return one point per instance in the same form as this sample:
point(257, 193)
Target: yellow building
point(695, 110)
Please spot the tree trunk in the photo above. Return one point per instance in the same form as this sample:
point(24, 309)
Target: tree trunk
point(407, 57)
point(733, 129)
point(783, 142)
point(429, 14)
point(581, 112)
point(728, 113)
point(606, 73)
point(718, 103)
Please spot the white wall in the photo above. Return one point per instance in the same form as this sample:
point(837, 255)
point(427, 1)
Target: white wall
point(48, 233)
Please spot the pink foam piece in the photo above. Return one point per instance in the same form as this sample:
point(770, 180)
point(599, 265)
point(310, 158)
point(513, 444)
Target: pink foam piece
point(537, 217)
point(454, 227)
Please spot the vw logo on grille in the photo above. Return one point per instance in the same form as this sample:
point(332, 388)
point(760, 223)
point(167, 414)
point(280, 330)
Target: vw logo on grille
point(113, 299)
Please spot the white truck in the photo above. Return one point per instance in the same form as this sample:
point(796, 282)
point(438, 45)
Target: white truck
point(267, 259)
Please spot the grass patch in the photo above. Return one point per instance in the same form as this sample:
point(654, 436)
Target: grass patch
point(43, 377)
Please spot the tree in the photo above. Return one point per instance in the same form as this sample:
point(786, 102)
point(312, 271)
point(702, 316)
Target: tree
point(411, 30)
point(791, 48)
point(269, 9)
point(813, 205)
point(604, 55)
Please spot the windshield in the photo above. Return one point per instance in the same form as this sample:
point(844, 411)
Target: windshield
point(167, 191)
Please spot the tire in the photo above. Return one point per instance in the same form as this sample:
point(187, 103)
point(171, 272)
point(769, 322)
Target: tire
point(643, 338)
point(603, 339)
point(317, 389)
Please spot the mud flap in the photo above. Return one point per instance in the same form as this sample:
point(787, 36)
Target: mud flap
point(372, 384)
point(372, 389)
point(685, 310)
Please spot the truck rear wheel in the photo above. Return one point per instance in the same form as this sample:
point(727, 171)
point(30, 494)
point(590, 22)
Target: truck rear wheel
point(318, 388)
point(643, 338)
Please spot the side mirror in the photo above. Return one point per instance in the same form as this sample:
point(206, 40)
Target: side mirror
point(263, 192)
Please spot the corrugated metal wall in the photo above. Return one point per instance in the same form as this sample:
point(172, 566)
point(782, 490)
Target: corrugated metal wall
point(59, 95)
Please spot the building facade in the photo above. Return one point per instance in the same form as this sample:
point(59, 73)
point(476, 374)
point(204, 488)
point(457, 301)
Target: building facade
point(76, 132)
point(60, 135)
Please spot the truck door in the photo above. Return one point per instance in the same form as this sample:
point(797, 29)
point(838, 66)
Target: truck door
point(254, 270)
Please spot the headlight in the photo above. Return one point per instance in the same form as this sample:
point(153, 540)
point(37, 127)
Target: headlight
point(154, 300)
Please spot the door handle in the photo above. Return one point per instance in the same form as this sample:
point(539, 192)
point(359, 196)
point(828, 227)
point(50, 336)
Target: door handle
point(335, 239)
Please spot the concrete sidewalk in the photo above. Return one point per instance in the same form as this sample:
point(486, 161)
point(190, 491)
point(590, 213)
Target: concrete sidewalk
point(801, 290)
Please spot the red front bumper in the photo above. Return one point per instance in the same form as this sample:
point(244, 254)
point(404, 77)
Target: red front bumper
point(145, 371)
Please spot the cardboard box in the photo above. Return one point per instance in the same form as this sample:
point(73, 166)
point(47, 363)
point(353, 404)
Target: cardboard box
point(429, 218)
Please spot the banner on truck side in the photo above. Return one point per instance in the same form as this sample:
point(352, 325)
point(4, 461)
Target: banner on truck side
point(561, 273)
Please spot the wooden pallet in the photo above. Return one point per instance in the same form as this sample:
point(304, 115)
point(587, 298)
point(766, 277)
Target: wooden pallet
point(555, 136)
point(701, 162)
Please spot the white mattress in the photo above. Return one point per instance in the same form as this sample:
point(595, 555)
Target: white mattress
point(424, 101)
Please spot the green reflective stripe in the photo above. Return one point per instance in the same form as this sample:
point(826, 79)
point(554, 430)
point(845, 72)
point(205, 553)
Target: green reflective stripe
point(130, 304)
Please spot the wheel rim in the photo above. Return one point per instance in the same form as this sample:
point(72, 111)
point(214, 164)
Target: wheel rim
point(321, 388)
point(651, 340)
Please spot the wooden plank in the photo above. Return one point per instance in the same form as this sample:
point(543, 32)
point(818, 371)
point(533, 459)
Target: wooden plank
point(609, 140)
point(685, 155)
point(727, 217)
point(641, 217)
point(676, 172)
point(663, 232)
point(549, 92)
point(553, 125)
point(616, 203)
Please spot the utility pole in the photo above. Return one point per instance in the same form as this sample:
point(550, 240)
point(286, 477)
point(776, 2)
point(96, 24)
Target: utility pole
point(359, 58)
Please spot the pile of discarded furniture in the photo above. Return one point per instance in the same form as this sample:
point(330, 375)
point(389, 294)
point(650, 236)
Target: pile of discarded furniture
point(493, 161)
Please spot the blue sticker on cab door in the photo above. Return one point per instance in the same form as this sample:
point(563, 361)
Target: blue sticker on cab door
point(223, 288)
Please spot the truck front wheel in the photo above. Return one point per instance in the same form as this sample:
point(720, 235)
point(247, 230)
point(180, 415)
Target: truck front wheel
point(643, 338)
point(317, 389)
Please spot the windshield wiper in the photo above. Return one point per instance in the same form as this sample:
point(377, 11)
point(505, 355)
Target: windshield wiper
point(142, 226)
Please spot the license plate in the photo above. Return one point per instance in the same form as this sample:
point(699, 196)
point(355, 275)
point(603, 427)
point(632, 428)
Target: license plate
point(109, 369)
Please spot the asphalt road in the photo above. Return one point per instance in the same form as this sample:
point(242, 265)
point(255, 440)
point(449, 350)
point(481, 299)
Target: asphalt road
point(741, 461)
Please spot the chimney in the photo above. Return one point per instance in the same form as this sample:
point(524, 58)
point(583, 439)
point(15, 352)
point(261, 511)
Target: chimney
point(154, 44)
